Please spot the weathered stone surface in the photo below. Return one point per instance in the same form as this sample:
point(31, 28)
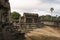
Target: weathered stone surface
point(7, 32)
point(4, 17)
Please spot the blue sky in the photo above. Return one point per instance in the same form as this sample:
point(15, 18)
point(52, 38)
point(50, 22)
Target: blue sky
point(42, 7)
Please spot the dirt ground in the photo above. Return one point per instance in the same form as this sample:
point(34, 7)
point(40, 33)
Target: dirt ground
point(45, 33)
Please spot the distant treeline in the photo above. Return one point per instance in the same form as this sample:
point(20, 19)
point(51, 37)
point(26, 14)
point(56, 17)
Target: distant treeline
point(49, 17)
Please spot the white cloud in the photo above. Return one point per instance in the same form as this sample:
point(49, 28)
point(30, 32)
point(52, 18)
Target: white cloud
point(38, 6)
point(24, 3)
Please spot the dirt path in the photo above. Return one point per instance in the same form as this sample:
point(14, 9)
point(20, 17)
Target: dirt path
point(45, 33)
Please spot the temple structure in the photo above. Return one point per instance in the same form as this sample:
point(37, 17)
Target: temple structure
point(33, 20)
point(29, 21)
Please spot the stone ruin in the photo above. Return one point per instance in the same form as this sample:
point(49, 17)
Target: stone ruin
point(7, 32)
point(28, 20)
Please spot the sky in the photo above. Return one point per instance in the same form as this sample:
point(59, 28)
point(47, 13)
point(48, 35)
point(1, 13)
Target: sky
point(42, 7)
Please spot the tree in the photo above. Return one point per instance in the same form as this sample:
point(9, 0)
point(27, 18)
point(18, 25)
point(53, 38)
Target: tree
point(47, 17)
point(58, 18)
point(53, 18)
point(42, 17)
point(51, 9)
point(15, 15)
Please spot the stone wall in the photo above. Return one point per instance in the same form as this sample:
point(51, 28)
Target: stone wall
point(4, 17)
point(7, 32)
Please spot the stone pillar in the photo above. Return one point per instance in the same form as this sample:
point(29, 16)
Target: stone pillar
point(24, 19)
point(33, 20)
point(20, 24)
point(4, 17)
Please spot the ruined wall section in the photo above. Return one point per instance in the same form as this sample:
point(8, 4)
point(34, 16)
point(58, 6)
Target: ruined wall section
point(4, 11)
point(4, 18)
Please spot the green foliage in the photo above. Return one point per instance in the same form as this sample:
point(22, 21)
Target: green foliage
point(48, 17)
point(42, 17)
point(59, 18)
point(15, 15)
point(54, 18)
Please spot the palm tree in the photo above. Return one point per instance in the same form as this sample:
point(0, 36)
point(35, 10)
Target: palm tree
point(51, 9)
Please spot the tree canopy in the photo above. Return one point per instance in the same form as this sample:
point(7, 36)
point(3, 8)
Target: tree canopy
point(15, 15)
point(59, 18)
